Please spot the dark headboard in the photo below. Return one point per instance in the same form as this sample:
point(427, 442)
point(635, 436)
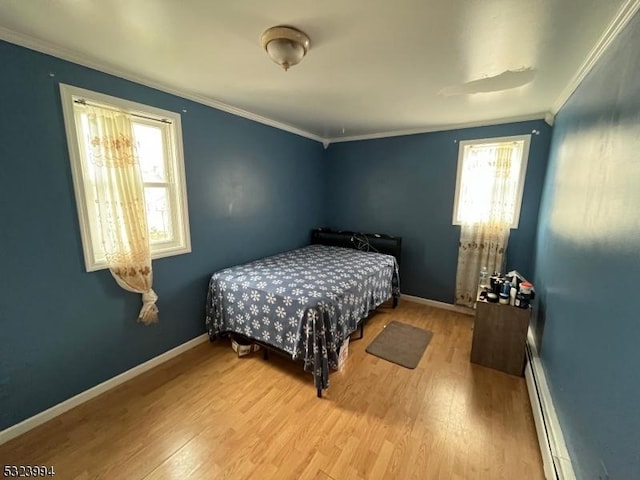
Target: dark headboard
point(374, 242)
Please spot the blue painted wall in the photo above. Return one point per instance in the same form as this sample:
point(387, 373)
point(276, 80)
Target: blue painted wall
point(405, 186)
point(63, 330)
point(588, 265)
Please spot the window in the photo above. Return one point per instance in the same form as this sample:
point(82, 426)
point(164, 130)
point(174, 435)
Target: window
point(490, 180)
point(157, 136)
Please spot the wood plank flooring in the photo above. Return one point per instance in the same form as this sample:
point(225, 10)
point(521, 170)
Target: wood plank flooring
point(208, 414)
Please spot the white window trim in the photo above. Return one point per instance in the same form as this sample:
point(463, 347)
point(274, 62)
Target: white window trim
point(68, 94)
point(523, 171)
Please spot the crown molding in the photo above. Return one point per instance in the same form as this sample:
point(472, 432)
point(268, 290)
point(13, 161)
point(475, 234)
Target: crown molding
point(86, 61)
point(549, 118)
point(440, 128)
point(621, 19)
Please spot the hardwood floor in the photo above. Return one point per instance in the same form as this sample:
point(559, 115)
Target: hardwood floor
point(207, 414)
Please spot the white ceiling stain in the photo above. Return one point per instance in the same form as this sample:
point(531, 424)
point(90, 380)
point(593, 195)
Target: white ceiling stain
point(503, 81)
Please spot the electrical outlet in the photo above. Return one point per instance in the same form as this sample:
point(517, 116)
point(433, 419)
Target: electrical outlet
point(604, 474)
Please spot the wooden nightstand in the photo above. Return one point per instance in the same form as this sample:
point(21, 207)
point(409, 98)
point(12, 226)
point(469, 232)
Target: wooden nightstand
point(499, 337)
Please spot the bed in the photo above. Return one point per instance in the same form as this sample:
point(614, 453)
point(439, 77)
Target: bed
point(306, 302)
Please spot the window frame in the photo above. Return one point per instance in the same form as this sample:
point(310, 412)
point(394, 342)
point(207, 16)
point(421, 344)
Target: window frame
point(523, 171)
point(175, 158)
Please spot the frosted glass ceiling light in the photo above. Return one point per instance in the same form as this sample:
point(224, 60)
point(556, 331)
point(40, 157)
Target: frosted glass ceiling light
point(285, 45)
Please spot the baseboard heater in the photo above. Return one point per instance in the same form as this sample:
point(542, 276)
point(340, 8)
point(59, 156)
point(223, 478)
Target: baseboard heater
point(555, 457)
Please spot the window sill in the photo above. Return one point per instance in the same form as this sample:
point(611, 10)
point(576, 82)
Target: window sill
point(101, 264)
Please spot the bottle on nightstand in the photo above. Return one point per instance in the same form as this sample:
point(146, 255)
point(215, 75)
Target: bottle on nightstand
point(483, 283)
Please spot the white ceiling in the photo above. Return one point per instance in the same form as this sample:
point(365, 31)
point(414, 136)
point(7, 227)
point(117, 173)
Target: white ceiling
point(375, 66)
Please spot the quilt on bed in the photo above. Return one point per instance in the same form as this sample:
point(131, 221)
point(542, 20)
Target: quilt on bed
point(305, 301)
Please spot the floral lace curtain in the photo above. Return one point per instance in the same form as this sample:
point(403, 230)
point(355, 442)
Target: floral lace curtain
point(120, 204)
point(487, 208)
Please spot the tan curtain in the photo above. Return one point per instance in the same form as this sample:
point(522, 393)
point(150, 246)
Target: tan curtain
point(481, 245)
point(487, 208)
point(120, 203)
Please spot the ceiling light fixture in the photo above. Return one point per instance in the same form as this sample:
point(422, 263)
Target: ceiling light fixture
point(285, 45)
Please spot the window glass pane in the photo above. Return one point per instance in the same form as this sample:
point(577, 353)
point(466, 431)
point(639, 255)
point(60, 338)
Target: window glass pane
point(158, 214)
point(489, 182)
point(150, 150)
point(477, 183)
point(86, 143)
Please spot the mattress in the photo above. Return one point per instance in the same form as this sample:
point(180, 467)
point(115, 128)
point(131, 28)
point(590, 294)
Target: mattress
point(305, 302)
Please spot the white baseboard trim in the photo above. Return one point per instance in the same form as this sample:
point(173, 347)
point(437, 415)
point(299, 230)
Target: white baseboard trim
point(555, 456)
point(59, 409)
point(437, 304)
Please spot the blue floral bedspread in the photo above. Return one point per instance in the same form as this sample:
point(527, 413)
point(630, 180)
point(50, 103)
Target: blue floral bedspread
point(305, 302)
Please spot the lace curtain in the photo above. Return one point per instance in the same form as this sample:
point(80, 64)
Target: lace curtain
point(486, 207)
point(120, 205)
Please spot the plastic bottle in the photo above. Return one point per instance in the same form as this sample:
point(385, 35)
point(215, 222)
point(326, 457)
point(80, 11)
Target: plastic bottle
point(484, 277)
point(512, 293)
point(483, 281)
